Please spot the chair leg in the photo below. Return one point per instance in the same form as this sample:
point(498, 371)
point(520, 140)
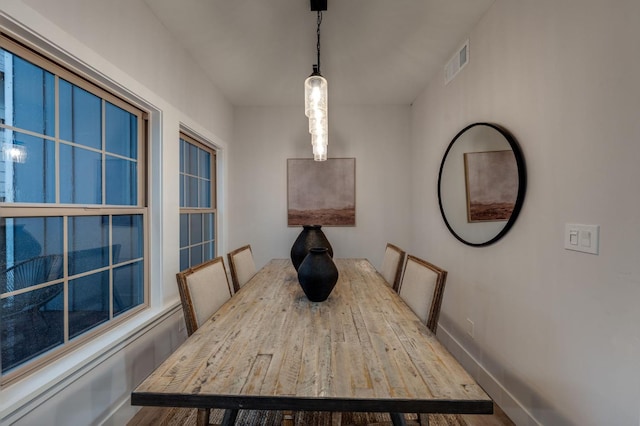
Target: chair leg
point(203, 417)
point(423, 419)
point(287, 418)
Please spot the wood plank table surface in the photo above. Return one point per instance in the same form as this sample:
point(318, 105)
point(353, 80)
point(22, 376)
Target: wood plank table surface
point(269, 347)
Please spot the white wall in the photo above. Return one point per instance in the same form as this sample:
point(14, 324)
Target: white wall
point(264, 137)
point(556, 331)
point(120, 43)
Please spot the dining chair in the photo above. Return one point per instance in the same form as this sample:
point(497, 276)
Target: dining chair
point(422, 287)
point(392, 263)
point(203, 289)
point(242, 266)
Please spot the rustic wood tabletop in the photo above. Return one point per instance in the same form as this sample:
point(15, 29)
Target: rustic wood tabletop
point(269, 347)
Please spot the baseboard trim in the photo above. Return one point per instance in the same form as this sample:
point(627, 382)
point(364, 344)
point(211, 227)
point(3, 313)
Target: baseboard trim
point(121, 414)
point(496, 390)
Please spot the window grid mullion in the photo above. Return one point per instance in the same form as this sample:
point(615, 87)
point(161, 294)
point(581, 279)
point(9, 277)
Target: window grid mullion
point(65, 275)
point(103, 136)
point(198, 178)
point(189, 238)
point(140, 167)
point(56, 134)
point(111, 277)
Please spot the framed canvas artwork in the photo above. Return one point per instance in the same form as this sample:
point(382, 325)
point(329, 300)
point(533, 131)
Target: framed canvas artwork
point(321, 192)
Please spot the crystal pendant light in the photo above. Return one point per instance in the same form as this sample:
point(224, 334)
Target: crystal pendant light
point(315, 98)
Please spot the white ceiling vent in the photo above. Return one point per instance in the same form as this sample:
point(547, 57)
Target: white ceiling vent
point(457, 62)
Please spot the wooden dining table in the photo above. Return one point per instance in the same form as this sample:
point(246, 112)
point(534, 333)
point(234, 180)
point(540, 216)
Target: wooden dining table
point(269, 347)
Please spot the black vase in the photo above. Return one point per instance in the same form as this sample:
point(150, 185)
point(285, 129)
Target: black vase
point(317, 274)
point(311, 236)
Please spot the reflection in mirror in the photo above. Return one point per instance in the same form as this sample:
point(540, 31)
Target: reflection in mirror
point(482, 183)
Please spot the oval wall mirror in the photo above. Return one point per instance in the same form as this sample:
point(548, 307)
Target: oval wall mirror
point(481, 184)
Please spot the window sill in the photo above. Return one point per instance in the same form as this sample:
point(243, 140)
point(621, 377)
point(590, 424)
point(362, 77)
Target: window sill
point(19, 396)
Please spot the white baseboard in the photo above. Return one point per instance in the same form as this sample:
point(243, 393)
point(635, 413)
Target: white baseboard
point(496, 390)
point(121, 414)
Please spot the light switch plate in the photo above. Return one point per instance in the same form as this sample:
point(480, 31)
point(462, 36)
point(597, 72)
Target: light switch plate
point(583, 238)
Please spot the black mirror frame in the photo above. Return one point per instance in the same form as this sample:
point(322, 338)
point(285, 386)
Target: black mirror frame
point(522, 183)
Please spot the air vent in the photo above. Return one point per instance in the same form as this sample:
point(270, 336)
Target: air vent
point(457, 62)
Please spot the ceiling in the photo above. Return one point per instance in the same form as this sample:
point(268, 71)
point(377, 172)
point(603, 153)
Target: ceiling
point(258, 52)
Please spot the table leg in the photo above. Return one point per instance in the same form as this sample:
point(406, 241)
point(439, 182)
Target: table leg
point(336, 418)
point(229, 418)
point(398, 419)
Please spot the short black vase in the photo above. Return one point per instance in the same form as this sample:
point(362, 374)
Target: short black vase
point(317, 274)
point(310, 236)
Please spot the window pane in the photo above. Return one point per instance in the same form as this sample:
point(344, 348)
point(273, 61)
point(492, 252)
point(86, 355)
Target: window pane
point(184, 230)
point(121, 131)
point(28, 328)
point(205, 164)
point(183, 202)
point(205, 193)
point(184, 259)
point(192, 160)
point(209, 252)
point(88, 243)
point(80, 175)
point(27, 168)
point(195, 176)
point(183, 146)
point(31, 272)
point(191, 197)
point(88, 302)
point(30, 105)
point(80, 116)
point(196, 255)
point(195, 231)
point(122, 185)
point(128, 287)
point(208, 227)
point(128, 242)
point(26, 239)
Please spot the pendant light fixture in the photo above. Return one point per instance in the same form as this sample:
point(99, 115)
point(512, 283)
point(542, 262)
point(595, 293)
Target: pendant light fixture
point(315, 96)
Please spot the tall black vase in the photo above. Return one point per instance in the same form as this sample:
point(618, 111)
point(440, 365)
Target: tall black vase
point(317, 274)
point(311, 236)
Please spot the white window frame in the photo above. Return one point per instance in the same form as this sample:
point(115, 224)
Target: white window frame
point(213, 191)
point(57, 209)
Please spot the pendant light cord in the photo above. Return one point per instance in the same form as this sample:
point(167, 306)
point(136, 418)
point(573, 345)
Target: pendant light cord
point(318, 34)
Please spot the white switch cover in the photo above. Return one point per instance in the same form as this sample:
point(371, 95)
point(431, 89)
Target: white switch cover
point(584, 238)
point(573, 237)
